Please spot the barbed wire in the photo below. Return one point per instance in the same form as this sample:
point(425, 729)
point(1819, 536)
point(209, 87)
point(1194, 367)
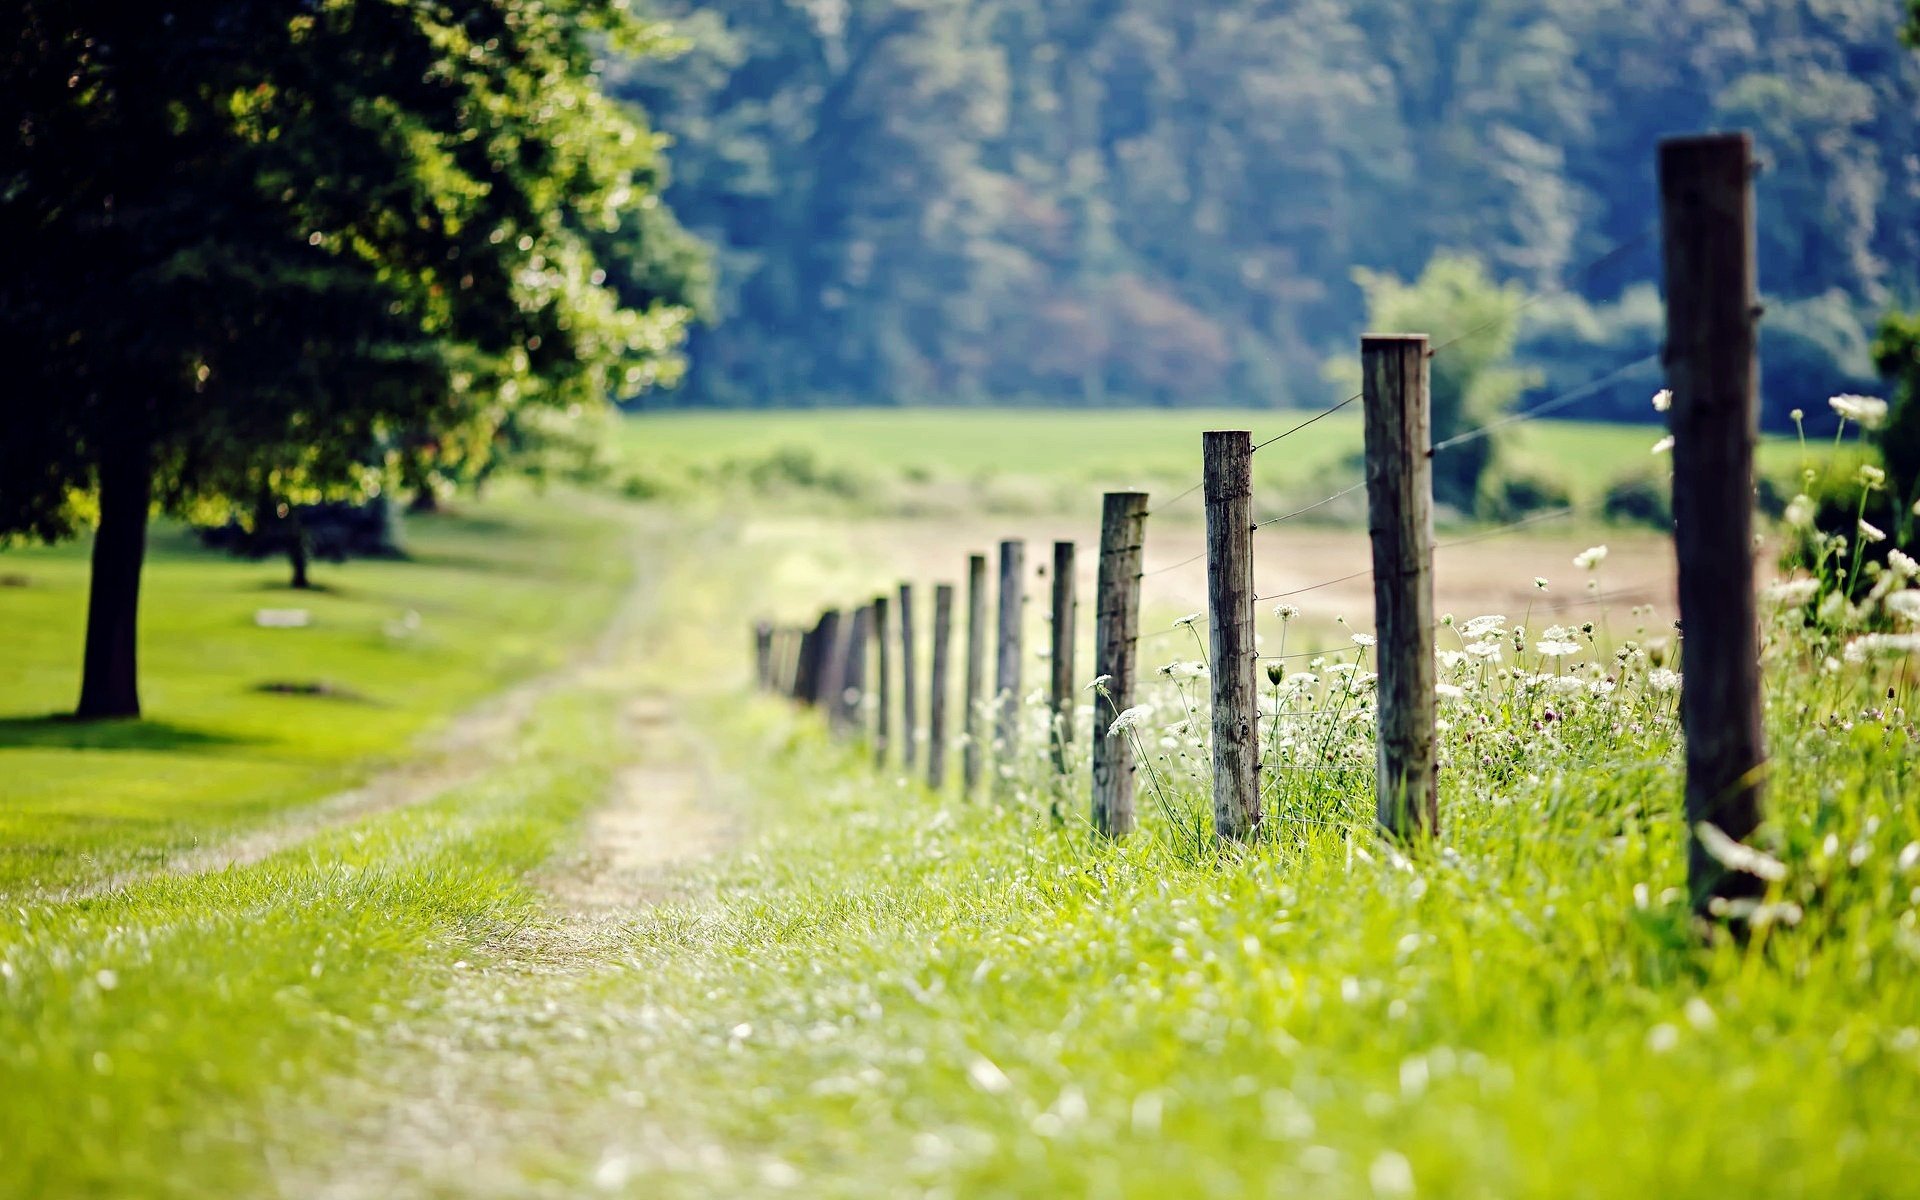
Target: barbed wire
point(1539, 410)
point(1345, 491)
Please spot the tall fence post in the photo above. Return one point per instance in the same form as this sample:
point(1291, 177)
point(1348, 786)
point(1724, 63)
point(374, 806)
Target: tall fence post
point(763, 654)
point(971, 753)
point(883, 716)
point(1227, 476)
point(1060, 659)
point(1006, 674)
point(851, 685)
point(1116, 630)
point(941, 687)
point(823, 668)
point(1706, 217)
point(1400, 517)
point(909, 679)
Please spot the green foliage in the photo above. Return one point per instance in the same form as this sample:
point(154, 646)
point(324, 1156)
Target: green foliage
point(1472, 379)
point(1896, 351)
point(1640, 500)
point(1163, 202)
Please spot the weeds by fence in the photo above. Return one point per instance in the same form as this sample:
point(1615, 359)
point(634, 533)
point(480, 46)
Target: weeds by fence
point(1707, 240)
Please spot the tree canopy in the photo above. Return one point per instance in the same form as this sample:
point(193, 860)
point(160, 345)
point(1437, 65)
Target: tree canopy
point(263, 246)
point(1106, 200)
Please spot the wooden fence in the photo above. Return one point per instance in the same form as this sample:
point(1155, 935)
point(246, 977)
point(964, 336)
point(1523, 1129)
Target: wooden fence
point(1706, 221)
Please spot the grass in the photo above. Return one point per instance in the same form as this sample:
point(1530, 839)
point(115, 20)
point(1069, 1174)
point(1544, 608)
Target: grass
point(495, 592)
point(882, 991)
point(1043, 460)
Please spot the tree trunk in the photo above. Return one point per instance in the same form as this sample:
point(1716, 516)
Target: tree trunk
point(425, 500)
point(109, 680)
point(299, 550)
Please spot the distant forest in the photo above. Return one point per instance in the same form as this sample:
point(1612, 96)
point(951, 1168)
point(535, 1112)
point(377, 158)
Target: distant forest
point(1169, 202)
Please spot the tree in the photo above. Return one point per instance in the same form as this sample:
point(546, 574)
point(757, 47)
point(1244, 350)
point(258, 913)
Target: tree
point(252, 241)
point(1474, 324)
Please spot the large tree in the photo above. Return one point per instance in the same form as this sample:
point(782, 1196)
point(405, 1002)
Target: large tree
point(254, 243)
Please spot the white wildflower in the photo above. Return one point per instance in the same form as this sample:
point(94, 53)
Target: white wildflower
point(1865, 411)
point(1486, 650)
point(1871, 532)
point(1540, 581)
point(1590, 558)
point(1565, 685)
point(1184, 670)
point(1800, 511)
point(1099, 683)
point(1870, 645)
point(1798, 415)
point(1129, 719)
point(1662, 446)
point(1286, 612)
point(1491, 625)
point(1870, 476)
point(1557, 649)
point(1905, 605)
point(1600, 687)
point(1903, 565)
point(1451, 659)
point(1363, 640)
point(1662, 400)
point(1662, 680)
point(1448, 691)
point(1188, 620)
point(1791, 593)
point(1738, 856)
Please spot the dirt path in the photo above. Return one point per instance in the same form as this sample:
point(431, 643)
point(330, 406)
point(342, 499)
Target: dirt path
point(466, 748)
point(458, 1104)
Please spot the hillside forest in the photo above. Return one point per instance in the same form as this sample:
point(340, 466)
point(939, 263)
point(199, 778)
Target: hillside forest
point(1143, 201)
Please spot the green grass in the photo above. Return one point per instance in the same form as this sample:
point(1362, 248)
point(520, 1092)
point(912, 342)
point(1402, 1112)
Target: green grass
point(498, 591)
point(886, 992)
point(1042, 459)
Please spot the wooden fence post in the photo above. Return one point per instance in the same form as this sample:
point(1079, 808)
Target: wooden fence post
point(851, 677)
point(1006, 674)
point(1706, 217)
point(971, 753)
point(1116, 629)
point(909, 679)
point(883, 716)
point(1227, 476)
point(790, 640)
point(1065, 616)
point(942, 687)
point(823, 662)
point(1399, 442)
point(763, 655)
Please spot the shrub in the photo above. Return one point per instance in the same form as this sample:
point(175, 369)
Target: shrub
point(1640, 500)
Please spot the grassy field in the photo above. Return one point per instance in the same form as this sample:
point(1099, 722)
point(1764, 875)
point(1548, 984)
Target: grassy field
point(666, 938)
point(490, 595)
point(1043, 460)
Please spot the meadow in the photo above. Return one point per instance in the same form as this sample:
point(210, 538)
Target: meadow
point(668, 937)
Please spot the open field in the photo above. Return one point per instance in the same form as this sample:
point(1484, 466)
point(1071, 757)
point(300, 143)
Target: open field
point(661, 937)
point(489, 596)
point(1045, 460)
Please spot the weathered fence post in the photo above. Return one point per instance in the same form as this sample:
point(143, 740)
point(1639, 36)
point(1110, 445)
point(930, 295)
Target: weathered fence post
point(791, 637)
point(1116, 629)
point(909, 677)
point(1706, 217)
point(824, 669)
point(971, 753)
point(1227, 476)
point(1065, 615)
point(942, 687)
point(1006, 674)
point(763, 655)
point(1400, 517)
point(851, 684)
point(883, 641)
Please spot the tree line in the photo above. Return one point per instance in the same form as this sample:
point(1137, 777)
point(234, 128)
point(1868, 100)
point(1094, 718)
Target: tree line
point(1091, 201)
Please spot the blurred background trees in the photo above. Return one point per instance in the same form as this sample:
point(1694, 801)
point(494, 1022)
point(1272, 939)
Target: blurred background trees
point(1088, 201)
